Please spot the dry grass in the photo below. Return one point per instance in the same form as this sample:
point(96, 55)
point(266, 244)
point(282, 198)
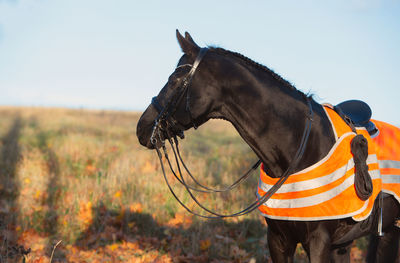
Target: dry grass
point(81, 177)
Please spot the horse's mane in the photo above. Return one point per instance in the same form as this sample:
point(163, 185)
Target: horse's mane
point(257, 65)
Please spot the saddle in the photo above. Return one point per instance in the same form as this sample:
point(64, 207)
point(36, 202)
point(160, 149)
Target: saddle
point(357, 113)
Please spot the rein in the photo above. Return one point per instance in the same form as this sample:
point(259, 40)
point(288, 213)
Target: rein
point(165, 122)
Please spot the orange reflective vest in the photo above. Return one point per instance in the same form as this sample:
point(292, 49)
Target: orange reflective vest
point(326, 189)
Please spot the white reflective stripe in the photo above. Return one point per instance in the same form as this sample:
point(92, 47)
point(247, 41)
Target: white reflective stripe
point(316, 182)
point(304, 218)
point(310, 184)
point(389, 164)
point(328, 156)
point(391, 179)
point(318, 198)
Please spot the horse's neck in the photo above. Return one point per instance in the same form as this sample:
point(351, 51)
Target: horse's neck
point(272, 121)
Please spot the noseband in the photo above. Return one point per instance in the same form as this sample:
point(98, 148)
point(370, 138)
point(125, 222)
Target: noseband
point(167, 124)
point(165, 120)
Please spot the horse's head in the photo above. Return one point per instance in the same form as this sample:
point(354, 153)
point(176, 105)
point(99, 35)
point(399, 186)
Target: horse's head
point(186, 100)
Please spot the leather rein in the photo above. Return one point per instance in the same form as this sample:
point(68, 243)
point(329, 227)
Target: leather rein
point(167, 128)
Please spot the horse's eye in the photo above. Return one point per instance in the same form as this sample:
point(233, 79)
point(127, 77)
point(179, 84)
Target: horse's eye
point(176, 76)
point(172, 78)
point(180, 70)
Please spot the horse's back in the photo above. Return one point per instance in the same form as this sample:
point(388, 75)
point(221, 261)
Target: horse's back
point(387, 141)
point(387, 148)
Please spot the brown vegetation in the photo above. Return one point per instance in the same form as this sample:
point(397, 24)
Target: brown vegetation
point(80, 177)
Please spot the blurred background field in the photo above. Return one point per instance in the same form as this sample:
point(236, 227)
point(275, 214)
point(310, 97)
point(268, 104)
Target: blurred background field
point(81, 177)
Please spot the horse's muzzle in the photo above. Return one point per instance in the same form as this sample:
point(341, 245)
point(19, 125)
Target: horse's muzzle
point(145, 127)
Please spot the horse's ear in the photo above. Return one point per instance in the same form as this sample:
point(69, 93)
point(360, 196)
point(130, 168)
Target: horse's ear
point(187, 44)
point(189, 38)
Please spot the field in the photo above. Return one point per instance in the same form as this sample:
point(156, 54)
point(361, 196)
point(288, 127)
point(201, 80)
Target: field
point(76, 186)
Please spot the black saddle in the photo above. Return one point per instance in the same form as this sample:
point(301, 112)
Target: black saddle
point(359, 114)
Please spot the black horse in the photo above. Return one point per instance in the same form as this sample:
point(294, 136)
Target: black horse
point(270, 115)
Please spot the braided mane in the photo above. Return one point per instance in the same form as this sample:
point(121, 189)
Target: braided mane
point(251, 62)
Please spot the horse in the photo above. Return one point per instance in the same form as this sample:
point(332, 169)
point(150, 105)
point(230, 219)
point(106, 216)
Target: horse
point(269, 113)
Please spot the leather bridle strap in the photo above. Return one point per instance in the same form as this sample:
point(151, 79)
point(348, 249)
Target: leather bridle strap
point(207, 189)
point(166, 112)
point(299, 154)
point(203, 189)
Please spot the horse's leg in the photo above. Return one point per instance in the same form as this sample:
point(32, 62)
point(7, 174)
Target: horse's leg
point(281, 249)
point(341, 254)
point(318, 245)
point(386, 248)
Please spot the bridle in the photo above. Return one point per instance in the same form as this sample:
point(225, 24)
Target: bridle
point(165, 123)
point(165, 116)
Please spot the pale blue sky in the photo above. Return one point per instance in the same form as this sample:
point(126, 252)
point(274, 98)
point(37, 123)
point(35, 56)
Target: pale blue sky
point(118, 54)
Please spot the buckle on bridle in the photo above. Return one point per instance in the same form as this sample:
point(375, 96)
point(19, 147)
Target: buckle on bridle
point(156, 129)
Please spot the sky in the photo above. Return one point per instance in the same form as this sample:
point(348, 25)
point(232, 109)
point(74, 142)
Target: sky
point(119, 54)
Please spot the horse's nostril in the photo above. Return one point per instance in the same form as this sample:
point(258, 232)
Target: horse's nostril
point(143, 132)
